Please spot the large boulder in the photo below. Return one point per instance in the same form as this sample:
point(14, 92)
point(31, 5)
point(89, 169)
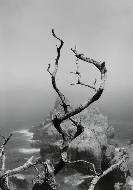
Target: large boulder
point(95, 145)
point(87, 147)
point(90, 145)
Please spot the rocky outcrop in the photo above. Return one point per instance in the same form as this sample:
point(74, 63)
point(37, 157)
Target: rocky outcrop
point(89, 146)
point(93, 145)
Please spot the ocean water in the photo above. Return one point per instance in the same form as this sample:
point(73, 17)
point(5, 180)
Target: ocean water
point(19, 149)
point(123, 131)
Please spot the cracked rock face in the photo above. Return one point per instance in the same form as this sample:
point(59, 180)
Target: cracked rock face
point(92, 145)
point(88, 146)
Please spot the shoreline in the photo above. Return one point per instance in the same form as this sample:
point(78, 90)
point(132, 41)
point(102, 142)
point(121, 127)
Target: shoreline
point(27, 136)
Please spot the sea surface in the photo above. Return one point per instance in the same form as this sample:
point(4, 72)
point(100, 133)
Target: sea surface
point(19, 147)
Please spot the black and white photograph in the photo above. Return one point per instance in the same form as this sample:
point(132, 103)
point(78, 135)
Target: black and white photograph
point(66, 95)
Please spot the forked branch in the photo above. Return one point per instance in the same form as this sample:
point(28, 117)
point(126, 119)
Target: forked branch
point(47, 180)
point(2, 152)
point(56, 65)
point(58, 119)
point(103, 71)
point(29, 163)
point(98, 92)
point(4, 143)
point(79, 82)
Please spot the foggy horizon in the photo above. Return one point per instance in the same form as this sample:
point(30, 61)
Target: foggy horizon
point(100, 29)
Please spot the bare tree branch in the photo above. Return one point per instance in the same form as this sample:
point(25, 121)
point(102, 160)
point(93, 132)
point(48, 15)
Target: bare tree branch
point(46, 179)
point(103, 71)
point(25, 166)
point(53, 74)
point(66, 141)
point(89, 165)
point(98, 177)
point(86, 85)
point(79, 126)
point(7, 139)
point(57, 119)
point(3, 180)
point(3, 160)
point(4, 143)
point(4, 184)
point(78, 74)
point(60, 94)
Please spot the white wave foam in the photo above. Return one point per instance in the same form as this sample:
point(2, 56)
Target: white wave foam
point(32, 141)
point(29, 150)
point(26, 133)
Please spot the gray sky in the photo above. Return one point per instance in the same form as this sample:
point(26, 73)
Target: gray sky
point(102, 29)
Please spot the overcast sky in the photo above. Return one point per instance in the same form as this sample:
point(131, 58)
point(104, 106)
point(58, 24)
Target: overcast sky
point(102, 29)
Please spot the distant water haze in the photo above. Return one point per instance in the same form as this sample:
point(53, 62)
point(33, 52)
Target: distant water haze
point(100, 29)
point(24, 108)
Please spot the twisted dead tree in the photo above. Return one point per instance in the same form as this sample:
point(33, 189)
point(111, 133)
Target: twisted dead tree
point(68, 114)
point(46, 178)
point(57, 119)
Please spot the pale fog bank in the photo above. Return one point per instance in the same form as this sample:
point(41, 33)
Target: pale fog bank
point(23, 108)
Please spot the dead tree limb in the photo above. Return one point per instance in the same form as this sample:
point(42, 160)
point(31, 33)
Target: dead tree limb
point(46, 180)
point(4, 143)
point(110, 169)
point(3, 160)
point(29, 163)
point(57, 119)
point(103, 71)
point(3, 180)
point(4, 175)
point(53, 74)
point(78, 74)
point(80, 127)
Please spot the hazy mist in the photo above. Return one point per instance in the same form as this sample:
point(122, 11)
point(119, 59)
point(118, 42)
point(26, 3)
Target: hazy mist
point(101, 29)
